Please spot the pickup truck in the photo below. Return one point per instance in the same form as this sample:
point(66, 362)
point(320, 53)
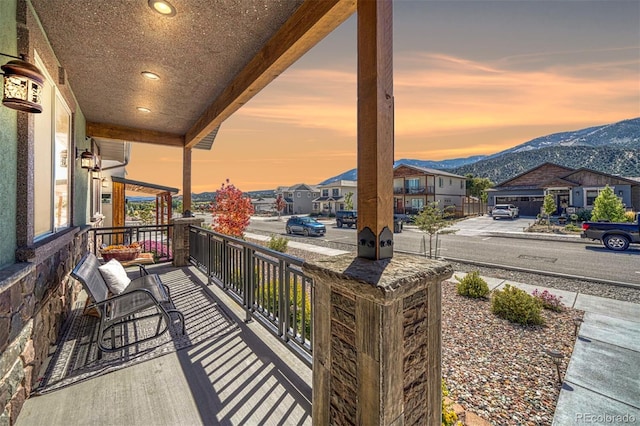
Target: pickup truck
point(615, 236)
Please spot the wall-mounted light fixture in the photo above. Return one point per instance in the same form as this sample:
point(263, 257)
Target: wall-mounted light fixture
point(87, 159)
point(22, 86)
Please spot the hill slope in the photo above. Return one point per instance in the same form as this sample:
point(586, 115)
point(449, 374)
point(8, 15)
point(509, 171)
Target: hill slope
point(607, 159)
point(612, 148)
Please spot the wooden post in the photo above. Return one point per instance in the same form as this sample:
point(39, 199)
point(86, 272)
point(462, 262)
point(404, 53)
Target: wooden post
point(186, 179)
point(375, 129)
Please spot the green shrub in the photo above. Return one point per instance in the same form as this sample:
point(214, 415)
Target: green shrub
point(278, 243)
point(472, 285)
point(517, 306)
point(269, 296)
point(573, 228)
point(584, 215)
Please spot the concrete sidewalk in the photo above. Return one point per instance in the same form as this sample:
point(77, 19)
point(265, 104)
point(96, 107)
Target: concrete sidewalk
point(602, 381)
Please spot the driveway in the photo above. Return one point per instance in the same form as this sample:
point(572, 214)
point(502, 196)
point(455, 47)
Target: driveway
point(482, 225)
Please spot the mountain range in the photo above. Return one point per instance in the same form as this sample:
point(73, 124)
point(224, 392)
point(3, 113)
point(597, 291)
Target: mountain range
point(610, 148)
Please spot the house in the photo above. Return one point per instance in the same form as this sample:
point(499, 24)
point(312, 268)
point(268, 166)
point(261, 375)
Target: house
point(299, 198)
point(263, 206)
point(573, 189)
point(333, 197)
point(414, 187)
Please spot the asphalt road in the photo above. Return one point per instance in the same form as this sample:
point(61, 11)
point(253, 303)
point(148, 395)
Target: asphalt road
point(581, 258)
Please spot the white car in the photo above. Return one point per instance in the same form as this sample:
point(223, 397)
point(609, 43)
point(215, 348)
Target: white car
point(505, 210)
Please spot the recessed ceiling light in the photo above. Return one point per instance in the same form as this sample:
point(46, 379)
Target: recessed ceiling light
point(150, 75)
point(163, 7)
point(143, 109)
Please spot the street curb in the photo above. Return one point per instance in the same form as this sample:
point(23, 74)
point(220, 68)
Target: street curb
point(540, 236)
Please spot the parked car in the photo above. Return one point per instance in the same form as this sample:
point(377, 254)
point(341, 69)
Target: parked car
point(346, 217)
point(405, 218)
point(615, 236)
point(304, 225)
point(505, 210)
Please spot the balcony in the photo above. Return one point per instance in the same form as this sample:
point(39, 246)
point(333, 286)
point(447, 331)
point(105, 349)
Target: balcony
point(255, 368)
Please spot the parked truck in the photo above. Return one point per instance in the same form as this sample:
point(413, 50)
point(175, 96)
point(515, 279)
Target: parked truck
point(615, 236)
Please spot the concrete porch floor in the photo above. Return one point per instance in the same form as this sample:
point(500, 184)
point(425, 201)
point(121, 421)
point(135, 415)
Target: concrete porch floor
point(245, 377)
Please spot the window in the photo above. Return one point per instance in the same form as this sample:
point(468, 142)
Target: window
point(440, 182)
point(52, 156)
point(591, 195)
point(417, 203)
point(299, 194)
point(450, 181)
point(461, 184)
point(316, 206)
point(335, 192)
point(308, 195)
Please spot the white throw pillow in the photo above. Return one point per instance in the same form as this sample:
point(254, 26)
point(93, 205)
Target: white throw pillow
point(115, 276)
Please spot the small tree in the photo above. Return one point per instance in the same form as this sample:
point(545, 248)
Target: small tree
point(431, 220)
point(549, 207)
point(608, 206)
point(231, 211)
point(348, 200)
point(280, 205)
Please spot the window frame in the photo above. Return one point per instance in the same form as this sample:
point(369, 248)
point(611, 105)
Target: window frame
point(57, 105)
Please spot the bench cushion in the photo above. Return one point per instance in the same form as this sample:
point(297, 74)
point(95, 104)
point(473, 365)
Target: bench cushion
point(114, 276)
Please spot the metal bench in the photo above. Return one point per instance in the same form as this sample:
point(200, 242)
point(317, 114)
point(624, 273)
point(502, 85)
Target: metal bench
point(146, 293)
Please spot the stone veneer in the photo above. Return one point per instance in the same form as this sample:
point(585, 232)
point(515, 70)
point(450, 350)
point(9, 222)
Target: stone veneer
point(181, 239)
point(377, 342)
point(35, 299)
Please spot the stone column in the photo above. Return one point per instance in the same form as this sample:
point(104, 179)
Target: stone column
point(181, 239)
point(376, 340)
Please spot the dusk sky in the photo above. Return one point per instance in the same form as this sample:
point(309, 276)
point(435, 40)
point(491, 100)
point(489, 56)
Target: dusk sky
point(470, 77)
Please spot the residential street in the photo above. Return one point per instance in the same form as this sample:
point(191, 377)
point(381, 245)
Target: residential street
point(484, 240)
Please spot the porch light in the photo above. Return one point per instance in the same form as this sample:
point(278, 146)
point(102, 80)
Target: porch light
point(162, 7)
point(22, 86)
point(87, 159)
point(144, 110)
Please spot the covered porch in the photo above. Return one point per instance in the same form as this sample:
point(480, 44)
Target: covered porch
point(242, 376)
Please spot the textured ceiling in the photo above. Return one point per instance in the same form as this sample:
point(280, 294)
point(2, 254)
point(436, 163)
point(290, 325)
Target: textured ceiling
point(104, 46)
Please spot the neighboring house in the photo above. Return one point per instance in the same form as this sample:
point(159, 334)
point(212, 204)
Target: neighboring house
point(414, 187)
point(264, 205)
point(572, 189)
point(299, 198)
point(332, 196)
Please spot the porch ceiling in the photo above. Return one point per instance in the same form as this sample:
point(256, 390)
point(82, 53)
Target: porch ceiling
point(212, 57)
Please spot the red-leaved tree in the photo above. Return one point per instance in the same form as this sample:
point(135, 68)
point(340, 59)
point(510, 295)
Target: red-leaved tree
point(231, 211)
point(280, 204)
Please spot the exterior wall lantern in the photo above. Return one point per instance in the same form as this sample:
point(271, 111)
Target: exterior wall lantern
point(22, 86)
point(87, 159)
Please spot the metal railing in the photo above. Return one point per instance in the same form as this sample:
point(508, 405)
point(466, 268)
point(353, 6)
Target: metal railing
point(155, 239)
point(269, 285)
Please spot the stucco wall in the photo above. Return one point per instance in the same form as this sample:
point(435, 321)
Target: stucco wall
point(81, 213)
point(8, 143)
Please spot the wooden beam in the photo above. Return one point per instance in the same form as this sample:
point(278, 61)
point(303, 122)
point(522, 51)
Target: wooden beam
point(132, 134)
point(313, 21)
point(375, 130)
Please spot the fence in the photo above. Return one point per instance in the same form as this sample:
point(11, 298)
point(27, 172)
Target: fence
point(155, 239)
point(269, 285)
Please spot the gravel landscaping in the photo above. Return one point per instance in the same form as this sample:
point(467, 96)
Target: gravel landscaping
point(499, 370)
